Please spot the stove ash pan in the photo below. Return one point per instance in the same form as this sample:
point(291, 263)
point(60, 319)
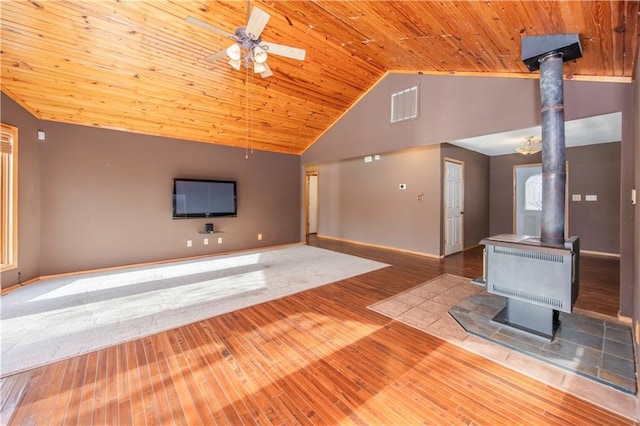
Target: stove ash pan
point(519, 267)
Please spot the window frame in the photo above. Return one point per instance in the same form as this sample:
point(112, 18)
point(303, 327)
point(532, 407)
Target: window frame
point(9, 198)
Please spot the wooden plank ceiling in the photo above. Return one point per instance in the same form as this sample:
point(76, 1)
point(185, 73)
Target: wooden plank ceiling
point(139, 66)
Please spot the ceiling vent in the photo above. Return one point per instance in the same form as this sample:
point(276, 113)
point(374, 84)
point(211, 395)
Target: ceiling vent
point(404, 105)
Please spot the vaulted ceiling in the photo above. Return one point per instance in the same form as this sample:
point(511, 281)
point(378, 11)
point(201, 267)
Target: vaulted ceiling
point(140, 66)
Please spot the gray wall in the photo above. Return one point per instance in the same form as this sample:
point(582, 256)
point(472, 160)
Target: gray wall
point(593, 169)
point(104, 197)
point(628, 256)
point(29, 190)
point(454, 107)
point(362, 202)
point(476, 192)
point(501, 192)
point(634, 294)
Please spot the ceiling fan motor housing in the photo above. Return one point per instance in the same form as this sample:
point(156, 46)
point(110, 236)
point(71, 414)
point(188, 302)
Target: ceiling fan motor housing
point(245, 40)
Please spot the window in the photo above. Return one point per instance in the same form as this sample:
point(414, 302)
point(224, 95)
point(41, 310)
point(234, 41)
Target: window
point(533, 193)
point(8, 197)
point(404, 104)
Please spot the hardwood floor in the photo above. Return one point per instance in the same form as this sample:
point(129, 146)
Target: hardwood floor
point(599, 275)
point(318, 357)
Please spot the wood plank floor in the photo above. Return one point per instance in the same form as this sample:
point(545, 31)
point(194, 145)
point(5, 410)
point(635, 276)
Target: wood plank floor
point(318, 357)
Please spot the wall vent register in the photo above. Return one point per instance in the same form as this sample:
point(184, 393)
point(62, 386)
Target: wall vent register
point(404, 104)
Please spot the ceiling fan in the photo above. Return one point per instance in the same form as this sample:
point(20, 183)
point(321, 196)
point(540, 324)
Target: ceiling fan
point(248, 49)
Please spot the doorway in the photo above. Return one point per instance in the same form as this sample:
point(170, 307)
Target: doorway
point(527, 200)
point(453, 206)
point(311, 220)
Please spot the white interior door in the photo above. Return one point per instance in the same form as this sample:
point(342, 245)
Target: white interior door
point(528, 200)
point(453, 207)
point(312, 204)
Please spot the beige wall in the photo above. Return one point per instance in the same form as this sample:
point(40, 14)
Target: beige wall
point(103, 198)
point(362, 202)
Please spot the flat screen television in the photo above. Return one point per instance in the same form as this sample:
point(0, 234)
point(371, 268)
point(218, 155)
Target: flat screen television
point(193, 198)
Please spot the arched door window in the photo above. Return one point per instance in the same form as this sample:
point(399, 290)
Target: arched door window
point(533, 193)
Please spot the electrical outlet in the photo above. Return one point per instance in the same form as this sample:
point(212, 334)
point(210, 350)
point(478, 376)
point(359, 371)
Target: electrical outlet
point(189, 243)
point(206, 241)
point(259, 237)
point(576, 197)
point(219, 240)
point(591, 198)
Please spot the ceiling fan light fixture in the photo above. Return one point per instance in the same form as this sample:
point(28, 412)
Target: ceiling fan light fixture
point(259, 55)
point(249, 49)
point(528, 150)
point(258, 67)
point(531, 146)
point(233, 52)
point(235, 63)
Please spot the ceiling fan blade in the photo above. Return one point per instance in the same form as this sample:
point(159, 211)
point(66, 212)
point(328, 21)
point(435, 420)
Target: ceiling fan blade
point(214, 57)
point(267, 72)
point(286, 51)
point(257, 21)
point(202, 24)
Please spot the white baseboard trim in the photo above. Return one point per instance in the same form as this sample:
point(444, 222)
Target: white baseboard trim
point(600, 253)
point(360, 243)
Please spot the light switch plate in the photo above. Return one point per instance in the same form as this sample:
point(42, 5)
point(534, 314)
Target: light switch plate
point(591, 198)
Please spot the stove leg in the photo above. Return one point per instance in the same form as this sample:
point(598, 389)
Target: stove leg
point(529, 318)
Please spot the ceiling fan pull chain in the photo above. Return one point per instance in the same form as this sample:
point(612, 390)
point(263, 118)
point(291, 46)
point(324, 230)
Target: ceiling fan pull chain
point(246, 113)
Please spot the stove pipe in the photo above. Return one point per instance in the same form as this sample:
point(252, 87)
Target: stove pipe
point(553, 150)
point(548, 53)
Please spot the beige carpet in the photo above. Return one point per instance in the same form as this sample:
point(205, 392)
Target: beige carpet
point(62, 317)
point(426, 308)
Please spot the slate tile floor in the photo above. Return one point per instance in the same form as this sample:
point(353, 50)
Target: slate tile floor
point(591, 358)
point(596, 348)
